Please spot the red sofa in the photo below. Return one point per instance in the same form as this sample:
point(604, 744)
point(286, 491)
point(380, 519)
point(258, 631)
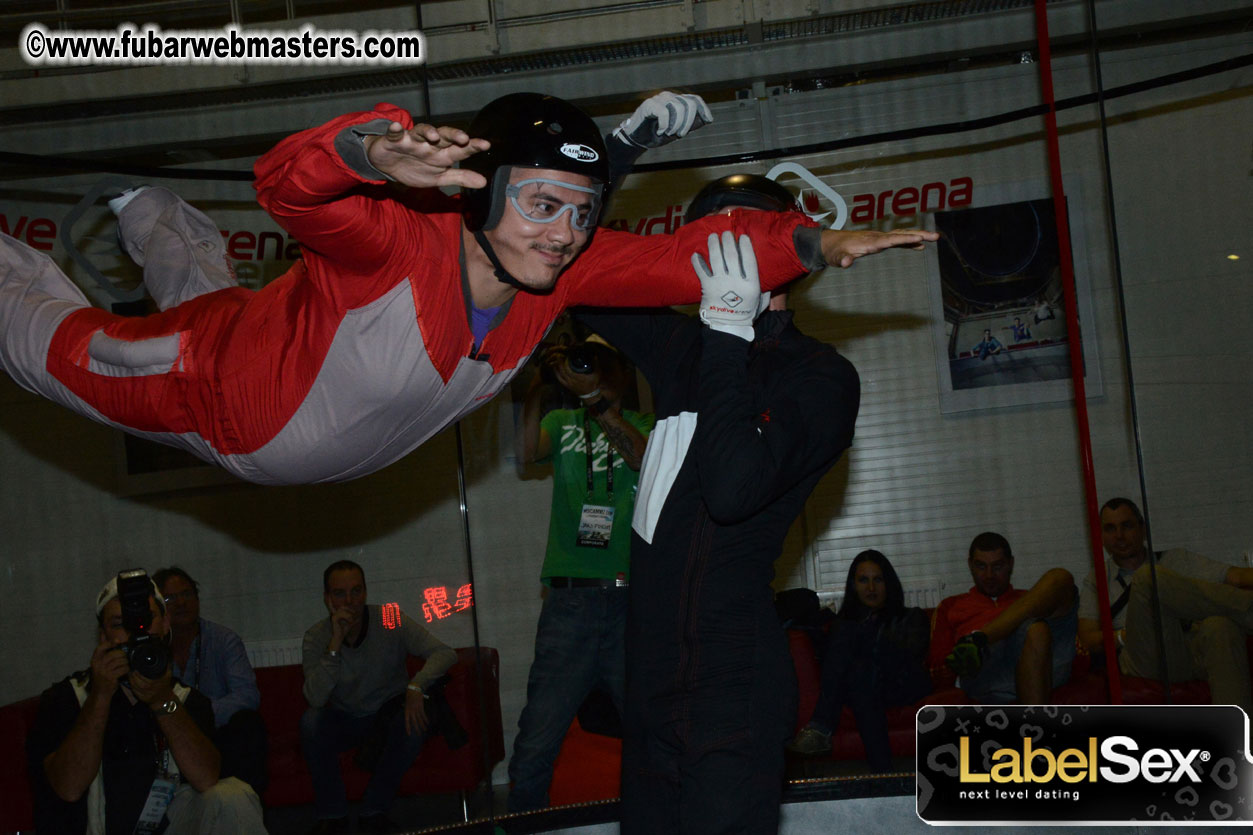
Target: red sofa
point(437, 770)
point(589, 766)
point(1084, 687)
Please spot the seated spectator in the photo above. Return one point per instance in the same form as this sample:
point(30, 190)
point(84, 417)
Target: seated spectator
point(211, 658)
point(876, 658)
point(1006, 644)
point(987, 346)
point(360, 696)
point(114, 751)
point(1206, 610)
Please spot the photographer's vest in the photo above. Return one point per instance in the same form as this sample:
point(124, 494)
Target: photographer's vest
point(95, 792)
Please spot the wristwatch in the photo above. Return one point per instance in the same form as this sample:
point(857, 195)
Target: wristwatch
point(171, 705)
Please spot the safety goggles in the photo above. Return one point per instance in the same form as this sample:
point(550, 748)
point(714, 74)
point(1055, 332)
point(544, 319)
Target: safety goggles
point(541, 201)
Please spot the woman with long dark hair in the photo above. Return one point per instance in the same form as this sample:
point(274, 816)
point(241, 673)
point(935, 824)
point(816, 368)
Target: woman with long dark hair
point(875, 659)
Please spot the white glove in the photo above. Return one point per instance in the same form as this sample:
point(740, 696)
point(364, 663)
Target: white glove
point(730, 294)
point(664, 118)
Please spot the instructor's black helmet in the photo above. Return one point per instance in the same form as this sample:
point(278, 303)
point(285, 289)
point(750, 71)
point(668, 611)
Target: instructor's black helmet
point(529, 130)
point(752, 190)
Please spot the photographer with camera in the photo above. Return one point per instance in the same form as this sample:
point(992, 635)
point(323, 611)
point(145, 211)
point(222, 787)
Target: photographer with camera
point(596, 451)
point(123, 747)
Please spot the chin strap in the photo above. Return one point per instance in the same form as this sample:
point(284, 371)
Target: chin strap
point(502, 275)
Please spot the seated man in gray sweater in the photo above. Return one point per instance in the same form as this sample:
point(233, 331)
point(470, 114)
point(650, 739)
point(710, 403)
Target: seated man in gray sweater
point(358, 687)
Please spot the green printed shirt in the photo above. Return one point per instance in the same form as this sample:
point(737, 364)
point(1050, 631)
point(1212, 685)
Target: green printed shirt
point(564, 557)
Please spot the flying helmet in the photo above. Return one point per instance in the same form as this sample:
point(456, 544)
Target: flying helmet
point(751, 190)
point(530, 130)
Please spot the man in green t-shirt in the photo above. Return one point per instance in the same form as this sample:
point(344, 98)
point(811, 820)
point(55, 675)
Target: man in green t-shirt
point(579, 642)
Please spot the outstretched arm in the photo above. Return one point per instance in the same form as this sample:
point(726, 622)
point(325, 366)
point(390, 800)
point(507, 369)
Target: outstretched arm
point(317, 184)
point(425, 156)
point(619, 269)
point(840, 247)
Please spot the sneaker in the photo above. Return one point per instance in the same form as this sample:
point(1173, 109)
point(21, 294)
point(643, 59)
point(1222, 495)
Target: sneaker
point(811, 741)
point(966, 659)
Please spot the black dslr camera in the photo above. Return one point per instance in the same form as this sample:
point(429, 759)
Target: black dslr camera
point(581, 358)
point(148, 654)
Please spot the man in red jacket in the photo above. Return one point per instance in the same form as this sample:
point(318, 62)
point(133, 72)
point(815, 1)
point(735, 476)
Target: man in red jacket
point(408, 309)
point(1007, 644)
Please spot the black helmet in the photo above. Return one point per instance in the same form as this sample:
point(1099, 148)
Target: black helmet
point(752, 190)
point(529, 130)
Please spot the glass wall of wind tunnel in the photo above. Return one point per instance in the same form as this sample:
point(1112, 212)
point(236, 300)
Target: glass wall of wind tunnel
point(953, 438)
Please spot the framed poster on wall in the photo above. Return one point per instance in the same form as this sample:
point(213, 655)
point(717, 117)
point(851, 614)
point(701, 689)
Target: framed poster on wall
point(998, 312)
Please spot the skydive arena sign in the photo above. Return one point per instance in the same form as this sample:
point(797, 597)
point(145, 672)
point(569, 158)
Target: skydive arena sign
point(1151, 764)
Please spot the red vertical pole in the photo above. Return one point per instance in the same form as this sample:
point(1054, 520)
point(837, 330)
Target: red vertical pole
point(1076, 346)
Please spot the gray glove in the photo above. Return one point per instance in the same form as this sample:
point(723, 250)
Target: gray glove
point(730, 293)
point(662, 119)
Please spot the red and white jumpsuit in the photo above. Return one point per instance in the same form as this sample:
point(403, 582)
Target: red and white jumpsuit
point(356, 355)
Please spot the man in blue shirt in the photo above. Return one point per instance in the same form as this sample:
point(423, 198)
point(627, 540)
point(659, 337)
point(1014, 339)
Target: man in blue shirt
point(211, 658)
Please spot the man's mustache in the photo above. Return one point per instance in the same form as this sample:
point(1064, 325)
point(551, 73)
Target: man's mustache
point(556, 249)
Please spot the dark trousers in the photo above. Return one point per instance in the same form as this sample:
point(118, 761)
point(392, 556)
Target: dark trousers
point(708, 714)
point(854, 674)
point(578, 645)
point(325, 732)
point(243, 744)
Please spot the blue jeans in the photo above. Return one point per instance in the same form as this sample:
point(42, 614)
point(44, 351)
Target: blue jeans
point(996, 681)
point(326, 732)
point(579, 644)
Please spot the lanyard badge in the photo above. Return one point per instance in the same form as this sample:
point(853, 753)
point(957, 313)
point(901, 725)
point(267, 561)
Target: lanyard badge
point(159, 797)
point(596, 520)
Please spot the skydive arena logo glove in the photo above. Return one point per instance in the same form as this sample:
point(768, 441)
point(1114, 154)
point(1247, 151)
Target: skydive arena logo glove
point(729, 287)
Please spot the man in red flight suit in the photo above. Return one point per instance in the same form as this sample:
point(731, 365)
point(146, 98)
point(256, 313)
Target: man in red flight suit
point(408, 309)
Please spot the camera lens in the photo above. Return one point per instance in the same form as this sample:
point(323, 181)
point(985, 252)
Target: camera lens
point(148, 656)
point(580, 359)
